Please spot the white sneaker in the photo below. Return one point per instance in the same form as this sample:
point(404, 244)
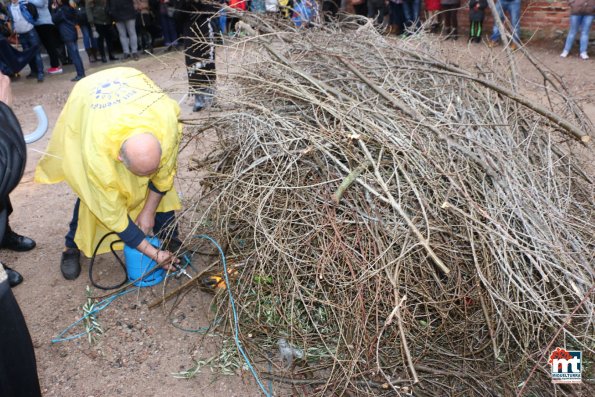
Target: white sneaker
point(584, 56)
point(564, 54)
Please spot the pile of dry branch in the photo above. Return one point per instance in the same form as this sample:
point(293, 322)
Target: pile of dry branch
point(409, 225)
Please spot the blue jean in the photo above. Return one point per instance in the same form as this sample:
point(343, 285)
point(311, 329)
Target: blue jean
point(584, 23)
point(88, 40)
point(73, 51)
point(513, 7)
point(30, 40)
point(411, 12)
point(168, 26)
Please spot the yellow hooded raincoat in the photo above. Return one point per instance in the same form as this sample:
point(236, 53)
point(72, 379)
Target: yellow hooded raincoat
point(103, 111)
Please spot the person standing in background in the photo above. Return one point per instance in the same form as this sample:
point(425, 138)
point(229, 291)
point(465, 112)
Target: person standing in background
point(513, 7)
point(101, 24)
point(65, 19)
point(199, 49)
point(432, 10)
point(168, 24)
point(411, 9)
point(89, 41)
point(581, 17)
point(48, 34)
point(477, 10)
point(124, 14)
point(144, 19)
point(450, 26)
point(376, 10)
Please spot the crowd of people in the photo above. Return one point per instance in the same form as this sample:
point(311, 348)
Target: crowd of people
point(136, 25)
point(441, 16)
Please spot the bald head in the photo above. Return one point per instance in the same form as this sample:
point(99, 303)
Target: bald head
point(141, 154)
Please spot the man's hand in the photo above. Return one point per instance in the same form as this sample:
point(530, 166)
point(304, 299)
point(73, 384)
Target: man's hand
point(166, 259)
point(94, 33)
point(146, 221)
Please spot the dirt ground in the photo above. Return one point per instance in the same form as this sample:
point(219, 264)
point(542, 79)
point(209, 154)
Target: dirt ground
point(140, 348)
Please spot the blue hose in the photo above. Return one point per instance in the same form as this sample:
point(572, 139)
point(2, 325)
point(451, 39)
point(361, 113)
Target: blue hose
point(236, 327)
point(99, 307)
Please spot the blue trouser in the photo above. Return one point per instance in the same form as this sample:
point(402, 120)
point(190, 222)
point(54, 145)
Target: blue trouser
point(163, 220)
point(168, 26)
point(584, 23)
point(73, 51)
point(513, 7)
point(31, 40)
point(411, 13)
point(88, 40)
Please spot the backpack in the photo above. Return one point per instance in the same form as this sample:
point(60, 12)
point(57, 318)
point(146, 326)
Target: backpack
point(32, 10)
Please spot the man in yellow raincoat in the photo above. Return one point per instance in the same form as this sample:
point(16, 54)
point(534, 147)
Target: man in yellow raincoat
point(115, 143)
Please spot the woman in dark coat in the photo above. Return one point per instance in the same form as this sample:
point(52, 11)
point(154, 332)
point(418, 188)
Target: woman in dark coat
point(65, 19)
point(199, 49)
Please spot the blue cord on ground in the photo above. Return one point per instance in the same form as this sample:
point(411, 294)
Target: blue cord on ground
point(106, 302)
point(236, 327)
point(99, 307)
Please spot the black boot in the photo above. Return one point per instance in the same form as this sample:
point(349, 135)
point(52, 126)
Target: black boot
point(16, 242)
point(14, 277)
point(88, 51)
point(70, 265)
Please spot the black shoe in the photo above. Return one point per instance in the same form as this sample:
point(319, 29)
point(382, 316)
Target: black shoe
point(103, 59)
point(70, 265)
point(77, 78)
point(113, 58)
point(15, 242)
point(14, 277)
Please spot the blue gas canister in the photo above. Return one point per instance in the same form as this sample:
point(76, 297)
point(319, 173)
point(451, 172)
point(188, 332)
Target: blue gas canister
point(138, 265)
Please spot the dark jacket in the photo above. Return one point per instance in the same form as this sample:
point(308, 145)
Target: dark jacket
point(65, 19)
point(582, 7)
point(121, 10)
point(96, 12)
point(477, 10)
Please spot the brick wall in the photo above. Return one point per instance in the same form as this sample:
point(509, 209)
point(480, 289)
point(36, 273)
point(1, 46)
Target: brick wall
point(545, 16)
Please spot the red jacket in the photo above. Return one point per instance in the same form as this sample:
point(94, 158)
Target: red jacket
point(238, 4)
